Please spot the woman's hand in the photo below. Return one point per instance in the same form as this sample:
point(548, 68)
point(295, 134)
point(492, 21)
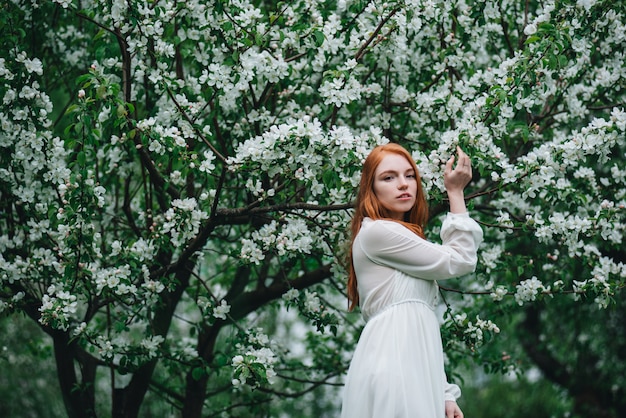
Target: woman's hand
point(455, 179)
point(453, 410)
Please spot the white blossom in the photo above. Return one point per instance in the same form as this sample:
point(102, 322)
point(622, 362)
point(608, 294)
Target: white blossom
point(312, 302)
point(221, 310)
point(529, 289)
point(207, 165)
point(151, 344)
point(291, 295)
point(530, 29)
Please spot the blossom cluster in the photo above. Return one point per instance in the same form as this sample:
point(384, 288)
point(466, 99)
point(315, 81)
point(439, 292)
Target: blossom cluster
point(310, 305)
point(122, 349)
point(303, 150)
point(604, 273)
point(287, 238)
point(529, 289)
point(182, 221)
point(255, 366)
point(474, 331)
point(215, 310)
point(57, 308)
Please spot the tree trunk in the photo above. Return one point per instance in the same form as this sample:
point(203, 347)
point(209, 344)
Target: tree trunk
point(128, 400)
point(78, 397)
point(195, 391)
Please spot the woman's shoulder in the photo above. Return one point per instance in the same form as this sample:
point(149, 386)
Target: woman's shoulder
point(369, 223)
point(378, 228)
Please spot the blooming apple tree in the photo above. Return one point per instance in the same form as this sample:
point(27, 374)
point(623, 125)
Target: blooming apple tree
point(177, 179)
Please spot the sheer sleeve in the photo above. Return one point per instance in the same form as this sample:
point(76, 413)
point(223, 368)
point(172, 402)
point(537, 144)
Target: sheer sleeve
point(451, 392)
point(390, 244)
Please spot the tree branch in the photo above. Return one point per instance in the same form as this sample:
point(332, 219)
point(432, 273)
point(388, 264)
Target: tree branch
point(248, 302)
point(227, 213)
point(361, 52)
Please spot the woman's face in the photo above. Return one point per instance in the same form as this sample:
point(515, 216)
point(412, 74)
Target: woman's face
point(395, 185)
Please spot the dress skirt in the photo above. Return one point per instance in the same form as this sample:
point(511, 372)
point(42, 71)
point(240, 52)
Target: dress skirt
point(397, 368)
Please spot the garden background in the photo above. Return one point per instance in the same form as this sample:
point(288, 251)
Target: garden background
point(176, 184)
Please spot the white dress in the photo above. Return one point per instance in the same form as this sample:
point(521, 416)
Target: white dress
point(397, 369)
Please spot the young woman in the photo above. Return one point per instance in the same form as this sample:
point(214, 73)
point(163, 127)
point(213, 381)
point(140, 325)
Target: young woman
point(397, 369)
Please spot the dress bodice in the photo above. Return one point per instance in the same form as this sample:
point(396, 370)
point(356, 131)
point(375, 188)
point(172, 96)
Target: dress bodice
point(393, 264)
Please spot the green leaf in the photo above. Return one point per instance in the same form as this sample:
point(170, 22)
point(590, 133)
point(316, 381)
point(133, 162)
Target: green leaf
point(83, 78)
point(102, 91)
point(81, 158)
point(197, 373)
point(259, 370)
point(101, 33)
point(121, 111)
point(71, 108)
point(319, 38)
point(258, 39)
point(532, 39)
point(221, 360)
point(120, 326)
point(546, 27)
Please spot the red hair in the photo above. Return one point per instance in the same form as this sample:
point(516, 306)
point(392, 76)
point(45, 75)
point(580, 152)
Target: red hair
point(368, 205)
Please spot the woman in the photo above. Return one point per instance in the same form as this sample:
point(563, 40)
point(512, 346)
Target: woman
point(397, 368)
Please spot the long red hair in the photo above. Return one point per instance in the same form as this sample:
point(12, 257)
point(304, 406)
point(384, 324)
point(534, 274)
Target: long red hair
point(368, 205)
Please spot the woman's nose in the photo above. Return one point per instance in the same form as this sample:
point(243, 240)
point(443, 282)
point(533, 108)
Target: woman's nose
point(402, 183)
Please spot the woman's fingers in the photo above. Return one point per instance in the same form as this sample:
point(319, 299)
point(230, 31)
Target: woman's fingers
point(461, 171)
point(449, 164)
point(463, 162)
point(457, 176)
point(464, 159)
